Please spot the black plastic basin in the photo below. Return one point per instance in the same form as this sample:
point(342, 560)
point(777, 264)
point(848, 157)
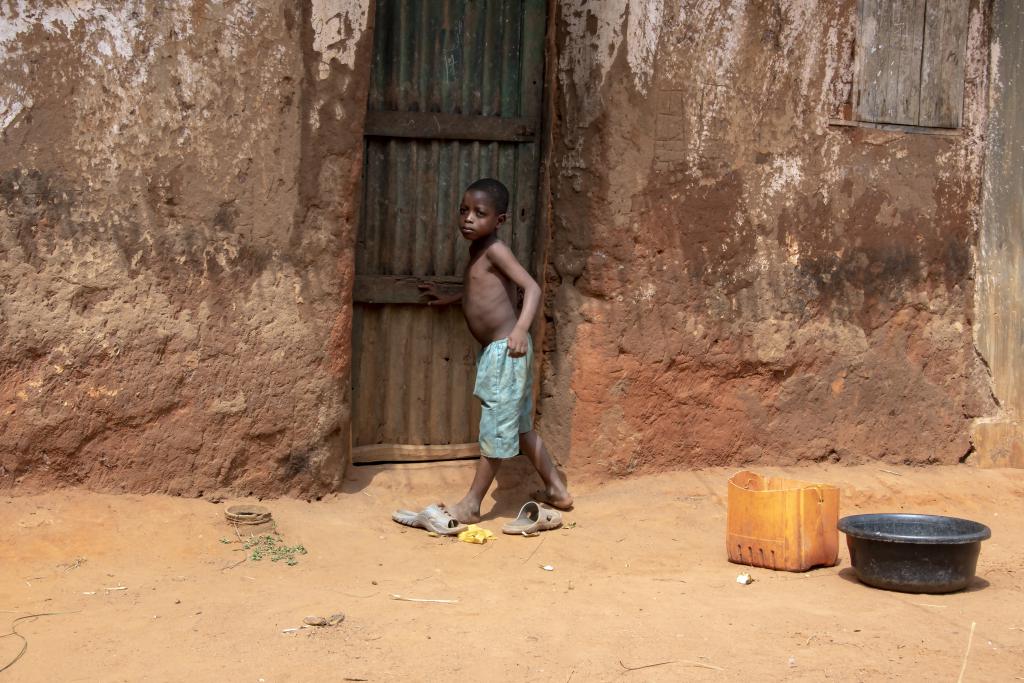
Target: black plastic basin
point(914, 553)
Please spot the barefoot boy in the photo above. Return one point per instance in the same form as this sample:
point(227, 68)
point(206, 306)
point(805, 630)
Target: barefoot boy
point(504, 378)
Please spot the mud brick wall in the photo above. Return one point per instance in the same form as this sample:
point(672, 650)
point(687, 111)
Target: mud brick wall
point(733, 279)
point(176, 216)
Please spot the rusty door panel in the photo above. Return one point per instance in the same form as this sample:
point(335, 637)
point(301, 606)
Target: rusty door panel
point(455, 95)
point(414, 124)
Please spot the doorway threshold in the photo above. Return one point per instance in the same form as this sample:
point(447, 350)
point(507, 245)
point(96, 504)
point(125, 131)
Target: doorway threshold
point(401, 454)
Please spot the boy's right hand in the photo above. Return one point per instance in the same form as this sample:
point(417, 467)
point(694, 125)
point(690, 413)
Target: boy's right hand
point(435, 298)
point(429, 290)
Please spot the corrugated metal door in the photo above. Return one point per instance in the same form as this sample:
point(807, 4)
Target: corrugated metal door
point(455, 95)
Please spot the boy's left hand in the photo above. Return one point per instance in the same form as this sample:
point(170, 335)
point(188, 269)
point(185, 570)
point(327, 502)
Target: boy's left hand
point(517, 343)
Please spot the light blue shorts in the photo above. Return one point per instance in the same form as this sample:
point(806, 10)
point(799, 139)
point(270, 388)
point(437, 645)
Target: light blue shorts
point(504, 386)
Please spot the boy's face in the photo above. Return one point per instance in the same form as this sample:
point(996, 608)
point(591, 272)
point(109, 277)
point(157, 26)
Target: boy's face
point(477, 216)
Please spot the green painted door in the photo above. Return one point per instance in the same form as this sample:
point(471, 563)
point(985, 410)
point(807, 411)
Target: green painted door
point(455, 95)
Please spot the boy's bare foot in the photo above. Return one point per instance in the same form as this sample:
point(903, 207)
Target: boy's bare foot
point(560, 500)
point(466, 511)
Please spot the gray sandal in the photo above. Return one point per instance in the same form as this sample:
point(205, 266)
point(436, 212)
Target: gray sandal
point(533, 517)
point(433, 518)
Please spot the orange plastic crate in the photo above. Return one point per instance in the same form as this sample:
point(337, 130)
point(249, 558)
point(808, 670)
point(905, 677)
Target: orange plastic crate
point(782, 523)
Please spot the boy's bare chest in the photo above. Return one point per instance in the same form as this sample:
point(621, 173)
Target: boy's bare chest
point(482, 279)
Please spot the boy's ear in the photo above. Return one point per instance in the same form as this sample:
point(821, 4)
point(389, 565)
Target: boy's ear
point(502, 217)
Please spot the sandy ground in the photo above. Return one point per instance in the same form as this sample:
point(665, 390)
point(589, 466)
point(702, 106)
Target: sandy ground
point(640, 579)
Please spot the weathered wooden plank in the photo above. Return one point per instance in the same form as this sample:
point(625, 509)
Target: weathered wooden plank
point(889, 61)
point(368, 392)
point(440, 380)
point(474, 22)
point(531, 77)
point(403, 197)
point(374, 198)
point(438, 126)
point(897, 127)
point(426, 180)
point(998, 444)
point(397, 340)
point(448, 195)
point(465, 415)
point(420, 394)
point(465, 174)
point(424, 66)
point(361, 373)
point(490, 75)
point(511, 231)
point(406, 45)
point(439, 227)
point(476, 160)
point(511, 46)
point(527, 156)
point(394, 452)
point(451, 54)
point(382, 46)
point(400, 289)
point(942, 67)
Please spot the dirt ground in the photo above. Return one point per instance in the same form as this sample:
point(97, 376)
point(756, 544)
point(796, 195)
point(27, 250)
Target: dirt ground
point(639, 579)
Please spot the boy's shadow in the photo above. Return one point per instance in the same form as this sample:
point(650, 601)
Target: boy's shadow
point(515, 481)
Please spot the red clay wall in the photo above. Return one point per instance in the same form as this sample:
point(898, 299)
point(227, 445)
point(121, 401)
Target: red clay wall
point(175, 243)
point(733, 280)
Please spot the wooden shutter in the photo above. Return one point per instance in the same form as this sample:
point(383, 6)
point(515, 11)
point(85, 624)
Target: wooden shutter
point(942, 67)
point(889, 57)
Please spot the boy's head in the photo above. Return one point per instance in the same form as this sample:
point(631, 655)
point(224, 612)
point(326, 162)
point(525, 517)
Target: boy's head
point(495, 189)
point(484, 207)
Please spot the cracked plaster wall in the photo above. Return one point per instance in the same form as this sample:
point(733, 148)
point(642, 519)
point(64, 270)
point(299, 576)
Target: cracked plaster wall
point(175, 242)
